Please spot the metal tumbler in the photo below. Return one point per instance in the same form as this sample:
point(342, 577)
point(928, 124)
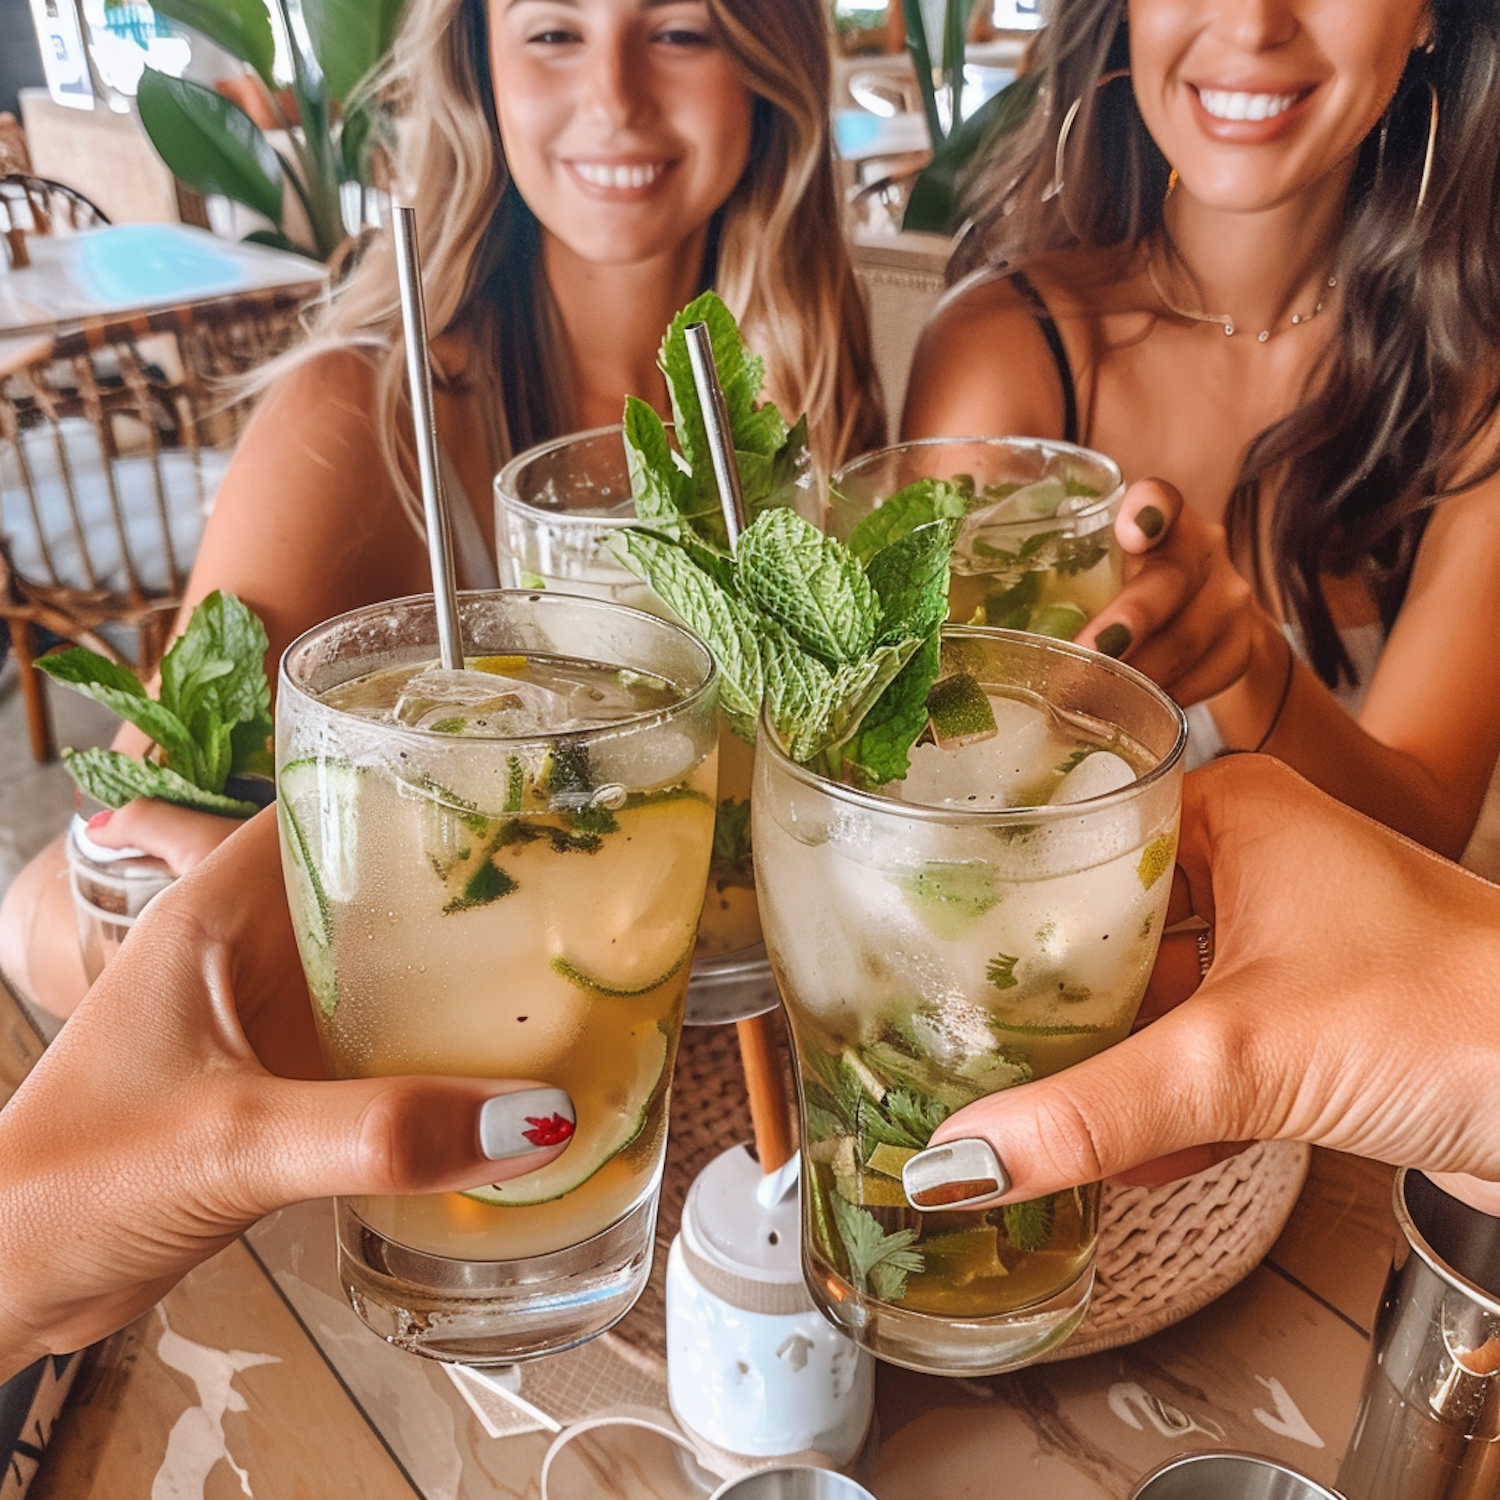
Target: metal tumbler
point(1428, 1426)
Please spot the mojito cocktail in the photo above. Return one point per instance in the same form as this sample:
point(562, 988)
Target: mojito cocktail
point(988, 920)
point(556, 508)
point(1037, 550)
point(496, 872)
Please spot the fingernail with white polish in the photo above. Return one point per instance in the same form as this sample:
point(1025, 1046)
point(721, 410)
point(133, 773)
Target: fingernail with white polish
point(957, 1174)
point(526, 1120)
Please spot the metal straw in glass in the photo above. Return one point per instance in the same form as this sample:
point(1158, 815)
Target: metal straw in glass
point(419, 377)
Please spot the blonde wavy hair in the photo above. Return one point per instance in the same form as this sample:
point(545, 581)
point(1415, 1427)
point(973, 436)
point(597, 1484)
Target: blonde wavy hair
point(776, 254)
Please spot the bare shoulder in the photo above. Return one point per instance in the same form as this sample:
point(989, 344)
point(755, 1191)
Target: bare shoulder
point(308, 520)
point(984, 363)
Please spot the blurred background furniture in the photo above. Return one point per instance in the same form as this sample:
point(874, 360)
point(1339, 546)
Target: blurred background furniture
point(38, 205)
point(113, 439)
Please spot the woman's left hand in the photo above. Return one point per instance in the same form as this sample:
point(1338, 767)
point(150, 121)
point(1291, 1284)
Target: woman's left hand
point(1186, 618)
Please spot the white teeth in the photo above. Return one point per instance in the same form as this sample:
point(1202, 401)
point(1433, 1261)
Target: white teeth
point(635, 175)
point(1224, 105)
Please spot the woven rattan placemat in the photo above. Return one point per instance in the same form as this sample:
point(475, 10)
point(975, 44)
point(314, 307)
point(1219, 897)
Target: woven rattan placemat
point(1164, 1252)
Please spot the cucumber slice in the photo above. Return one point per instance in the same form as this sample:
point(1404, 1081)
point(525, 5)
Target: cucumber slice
point(599, 1137)
point(574, 975)
point(316, 804)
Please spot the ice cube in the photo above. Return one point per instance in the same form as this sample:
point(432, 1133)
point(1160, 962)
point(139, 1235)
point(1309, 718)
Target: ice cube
point(1038, 501)
point(1001, 771)
point(489, 703)
point(1096, 775)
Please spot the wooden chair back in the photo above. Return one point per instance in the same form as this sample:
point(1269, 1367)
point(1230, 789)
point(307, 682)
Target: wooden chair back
point(112, 443)
point(38, 205)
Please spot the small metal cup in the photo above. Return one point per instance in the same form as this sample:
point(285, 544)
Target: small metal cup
point(793, 1482)
point(1227, 1476)
point(1428, 1426)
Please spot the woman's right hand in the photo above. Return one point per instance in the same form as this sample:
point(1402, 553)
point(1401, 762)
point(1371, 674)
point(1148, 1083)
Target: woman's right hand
point(1186, 617)
point(1352, 1002)
point(179, 836)
point(185, 1099)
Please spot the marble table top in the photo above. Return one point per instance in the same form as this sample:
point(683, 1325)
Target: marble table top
point(254, 1378)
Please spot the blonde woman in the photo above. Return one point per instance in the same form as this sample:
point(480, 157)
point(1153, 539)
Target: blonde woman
point(580, 169)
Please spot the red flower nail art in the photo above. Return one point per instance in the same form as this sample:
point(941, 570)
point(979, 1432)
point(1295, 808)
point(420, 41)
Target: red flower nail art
point(549, 1130)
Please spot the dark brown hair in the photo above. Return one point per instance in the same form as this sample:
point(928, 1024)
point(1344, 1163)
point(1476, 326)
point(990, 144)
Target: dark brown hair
point(1410, 384)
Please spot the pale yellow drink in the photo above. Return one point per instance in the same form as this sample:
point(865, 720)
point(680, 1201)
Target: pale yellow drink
point(477, 898)
point(557, 506)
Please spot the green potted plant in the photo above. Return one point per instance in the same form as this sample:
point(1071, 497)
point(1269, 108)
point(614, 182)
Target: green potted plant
point(333, 127)
point(933, 205)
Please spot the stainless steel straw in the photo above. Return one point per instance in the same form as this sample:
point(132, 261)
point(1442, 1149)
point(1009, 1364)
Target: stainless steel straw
point(770, 1109)
point(711, 402)
point(419, 378)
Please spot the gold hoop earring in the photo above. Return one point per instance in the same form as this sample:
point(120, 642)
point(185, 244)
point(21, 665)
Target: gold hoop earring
point(1055, 187)
point(1432, 130)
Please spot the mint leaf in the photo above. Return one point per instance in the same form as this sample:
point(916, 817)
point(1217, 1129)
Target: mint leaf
point(488, 883)
point(880, 749)
point(1010, 608)
point(948, 895)
point(1001, 971)
point(91, 674)
point(853, 692)
point(916, 505)
point(1028, 1225)
point(214, 679)
point(799, 690)
point(809, 584)
point(732, 831)
point(662, 493)
point(114, 778)
point(741, 374)
point(910, 578)
point(727, 628)
point(790, 467)
point(878, 1261)
point(118, 689)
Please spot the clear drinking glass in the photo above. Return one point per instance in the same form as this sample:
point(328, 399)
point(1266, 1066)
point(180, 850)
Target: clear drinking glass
point(1038, 549)
point(111, 888)
point(497, 874)
point(984, 931)
point(556, 506)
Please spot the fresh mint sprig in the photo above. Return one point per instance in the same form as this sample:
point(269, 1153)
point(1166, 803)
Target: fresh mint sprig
point(211, 719)
point(838, 643)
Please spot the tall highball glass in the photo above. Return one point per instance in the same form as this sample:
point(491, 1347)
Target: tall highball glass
point(496, 873)
point(1037, 551)
point(989, 920)
point(556, 507)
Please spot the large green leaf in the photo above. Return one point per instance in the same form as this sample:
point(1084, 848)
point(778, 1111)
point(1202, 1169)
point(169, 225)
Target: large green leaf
point(934, 204)
point(211, 144)
point(349, 37)
point(921, 61)
point(241, 27)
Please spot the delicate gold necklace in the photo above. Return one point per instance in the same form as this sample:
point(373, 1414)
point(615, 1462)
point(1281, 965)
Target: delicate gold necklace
point(1226, 322)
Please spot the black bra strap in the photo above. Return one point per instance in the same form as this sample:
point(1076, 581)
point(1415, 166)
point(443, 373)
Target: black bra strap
point(1048, 328)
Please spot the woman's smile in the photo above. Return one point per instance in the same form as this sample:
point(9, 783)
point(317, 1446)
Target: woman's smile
point(621, 179)
point(1248, 114)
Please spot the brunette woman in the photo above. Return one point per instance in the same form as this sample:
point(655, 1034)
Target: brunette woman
point(1246, 251)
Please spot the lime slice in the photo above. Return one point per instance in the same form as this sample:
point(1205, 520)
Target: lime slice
point(890, 1159)
point(574, 975)
point(960, 712)
point(871, 1191)
point(1060, 621)
point(316, 804)
point(600, 1135)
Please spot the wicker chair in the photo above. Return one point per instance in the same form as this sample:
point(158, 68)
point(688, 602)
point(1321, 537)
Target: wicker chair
point(112, 444)
point(37, 205)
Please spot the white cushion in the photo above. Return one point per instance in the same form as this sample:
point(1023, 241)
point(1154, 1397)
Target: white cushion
point(189, 482)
